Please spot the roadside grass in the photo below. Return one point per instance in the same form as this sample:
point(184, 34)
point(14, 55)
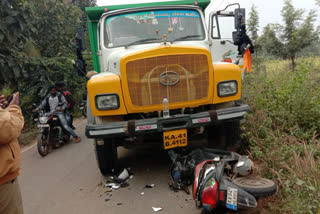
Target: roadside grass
point(283, 132)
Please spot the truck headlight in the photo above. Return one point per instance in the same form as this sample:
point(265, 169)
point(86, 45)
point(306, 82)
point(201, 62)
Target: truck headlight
point(107, 101)
point(227, 88)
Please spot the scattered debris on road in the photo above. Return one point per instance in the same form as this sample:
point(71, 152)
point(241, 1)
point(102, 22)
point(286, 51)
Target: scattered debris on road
point(149, 186)
point(156, 209)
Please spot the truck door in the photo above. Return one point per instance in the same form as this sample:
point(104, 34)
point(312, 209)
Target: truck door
point(221, 26)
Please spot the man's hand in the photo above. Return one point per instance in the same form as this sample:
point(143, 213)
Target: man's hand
point(3, 102)
point(15, 99)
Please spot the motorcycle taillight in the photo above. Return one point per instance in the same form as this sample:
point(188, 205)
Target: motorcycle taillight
point(209, 196)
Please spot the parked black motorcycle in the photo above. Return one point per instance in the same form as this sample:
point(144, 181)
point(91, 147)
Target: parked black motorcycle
point(51, 134)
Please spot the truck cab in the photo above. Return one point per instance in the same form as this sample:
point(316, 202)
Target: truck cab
point(145, 54)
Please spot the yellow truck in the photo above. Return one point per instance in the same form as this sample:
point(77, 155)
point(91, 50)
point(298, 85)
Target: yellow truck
point(163, 76)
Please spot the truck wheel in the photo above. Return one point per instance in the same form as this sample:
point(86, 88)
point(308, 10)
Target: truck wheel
point(258, 187)
point(225, 136)
point(107, 156)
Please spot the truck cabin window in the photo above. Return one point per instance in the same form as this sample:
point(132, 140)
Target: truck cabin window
point(150, 26)
point(222, 27)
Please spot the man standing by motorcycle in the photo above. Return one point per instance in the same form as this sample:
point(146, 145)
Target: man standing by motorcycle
point(55, 103)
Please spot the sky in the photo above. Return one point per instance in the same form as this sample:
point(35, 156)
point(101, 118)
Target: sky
point(269, 10)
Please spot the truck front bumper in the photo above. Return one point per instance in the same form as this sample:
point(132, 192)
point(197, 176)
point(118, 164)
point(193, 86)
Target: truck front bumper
point(143, 126)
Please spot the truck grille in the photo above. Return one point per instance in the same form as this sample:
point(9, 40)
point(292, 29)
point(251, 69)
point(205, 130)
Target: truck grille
point(180, 78)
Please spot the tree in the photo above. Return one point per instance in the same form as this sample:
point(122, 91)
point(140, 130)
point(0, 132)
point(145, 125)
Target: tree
point(296, 33)
point(253, 24)
point(269, 41)
point(54, 24)
point(14, 34)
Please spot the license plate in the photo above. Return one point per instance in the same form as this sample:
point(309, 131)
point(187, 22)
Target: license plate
point(232, 197)
point(43, 125)
point(175, 138)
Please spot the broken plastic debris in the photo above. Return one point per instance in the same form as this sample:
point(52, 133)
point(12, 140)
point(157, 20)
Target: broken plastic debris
point(123, 175)
point(123, 185)
point(142, 193)
point(149, 186)
point(131, 176)
point(156, 209)
point(112, 185)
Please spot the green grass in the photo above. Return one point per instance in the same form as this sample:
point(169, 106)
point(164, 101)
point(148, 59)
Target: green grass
point(283, 131)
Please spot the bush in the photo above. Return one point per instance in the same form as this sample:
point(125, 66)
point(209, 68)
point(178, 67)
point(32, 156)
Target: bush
point(39, 74)
point(282, 132)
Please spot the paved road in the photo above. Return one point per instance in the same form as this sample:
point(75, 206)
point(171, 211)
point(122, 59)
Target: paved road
point(67, 181)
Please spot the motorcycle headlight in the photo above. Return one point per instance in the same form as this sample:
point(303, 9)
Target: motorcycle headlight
point(43, 119)
point(227, 88)
point(107, 101)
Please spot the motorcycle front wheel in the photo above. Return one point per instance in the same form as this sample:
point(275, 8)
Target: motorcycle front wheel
point(258, 187)
point(43, 147)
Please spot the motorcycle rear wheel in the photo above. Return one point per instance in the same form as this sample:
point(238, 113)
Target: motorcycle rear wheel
point(43, 147)
point(258, 187)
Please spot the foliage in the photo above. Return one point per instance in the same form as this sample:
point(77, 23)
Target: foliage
point(14, 31)
point(53, 27)
point(268, 42)
point(283, 129)
point(37, 46)
point(253, 24)
point(292, 38)
point(296, 33)
point(43, 72)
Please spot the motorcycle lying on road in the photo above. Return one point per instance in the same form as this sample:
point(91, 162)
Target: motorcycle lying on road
point(226, 181)
point(218, 178)
point(51, 134)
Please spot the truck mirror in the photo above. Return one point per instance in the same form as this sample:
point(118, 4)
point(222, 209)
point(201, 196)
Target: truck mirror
point(80, 39)
point(239, 18)
point(236, 36)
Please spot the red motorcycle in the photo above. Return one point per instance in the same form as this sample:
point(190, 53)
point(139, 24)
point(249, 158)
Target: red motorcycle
point(227, 182)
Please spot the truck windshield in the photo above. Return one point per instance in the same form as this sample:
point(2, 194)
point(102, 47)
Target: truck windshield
point(150, 26)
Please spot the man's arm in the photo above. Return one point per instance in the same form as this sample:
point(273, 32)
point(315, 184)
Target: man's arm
point(64, 102)
point(43, 103)
point(11, 123)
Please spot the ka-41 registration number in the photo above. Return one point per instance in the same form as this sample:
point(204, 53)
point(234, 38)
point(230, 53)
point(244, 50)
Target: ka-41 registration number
point(175, 138)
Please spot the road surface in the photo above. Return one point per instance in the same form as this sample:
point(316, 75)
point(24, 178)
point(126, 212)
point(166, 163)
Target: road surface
point(67, 181)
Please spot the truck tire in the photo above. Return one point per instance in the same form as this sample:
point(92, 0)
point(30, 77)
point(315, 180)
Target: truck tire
point(107, 156)
point(225, 136)
point(258, 187)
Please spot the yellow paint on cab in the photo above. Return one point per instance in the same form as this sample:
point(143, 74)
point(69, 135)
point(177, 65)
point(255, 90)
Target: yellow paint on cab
point(224, 72)
point(164, 51)
point(111, 83)
point(105, 84)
